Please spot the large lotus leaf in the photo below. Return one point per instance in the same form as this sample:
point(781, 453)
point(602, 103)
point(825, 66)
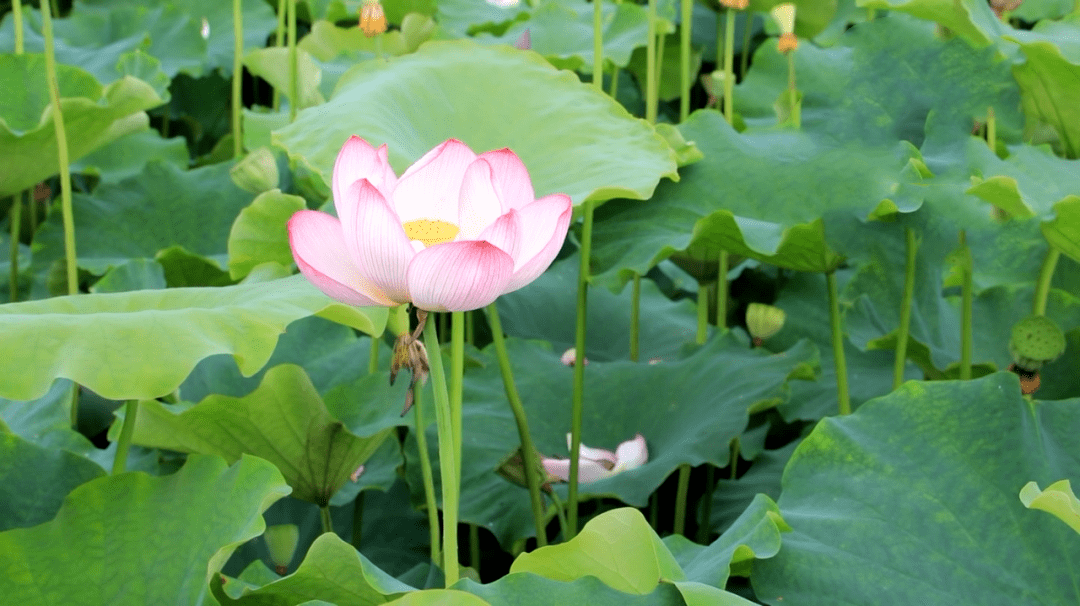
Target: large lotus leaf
point(333, 571)
point(259, 235)
point(688, 410)
point(766, 195)
point(913, 500)
point(283, 421)
point(1058, 500)
point(971, 20)
point(136, 274)
point(732, 497)
point(509, 590)
point(546, 310)
point(563, 33)
point(439, 597)
point(1050, 80)
point(170, 535)
point(127, 156)
point(46, 421)
point(811, 16)
point(456, 18)
point(34, 480)
point(327, 42)
point(142, 344)
point(670, 86)
point(93, 116)
point(272, 65)
point(490, 98)
point(1036, 10)
point(163, 206)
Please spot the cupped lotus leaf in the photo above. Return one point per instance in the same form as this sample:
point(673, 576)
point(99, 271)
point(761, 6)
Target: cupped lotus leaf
point(687, 410)
point(46, 421)
point(563, 33)
point(333, 571)
point(143, 344)
point(542, 310)
point(283, 421)
point(136, 274)
point(259, 235)
point(914, 497)
point(127, 156)
point(34, 480)
point(327, 42)
point(490, 98)
point(272, 65)
point(765, 195)
point(169, 534)
point(93, 116)
point(163, 206)
point(1063, 231)
point(1058, 500)
point(971, 20)
point(1050, 81)
point(1028, 183)
point(508, 591)
point(184, 268)
point(457, 18)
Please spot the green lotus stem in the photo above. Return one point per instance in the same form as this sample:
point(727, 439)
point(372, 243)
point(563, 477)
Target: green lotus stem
point(16, 14)
point(474, 548)
point(579, 365)
point(748, 32)
point(358, 520)
point(16, 224)
point(131, 410)
point(966, 300)
point(614, 90)
point(447, 454)
point(651, 90)
point(425, 472)
point(900, 361)
point(684, 57)
point(294, 65)
point(373, 357)
point(528, 449)
point(838, 346)
point(654, 510)
point(729, 66)
point(796, 113)
point(722, 290)
point(702, 313)
point(991, 130)
point(719, 41)
point(62, 151)
point(55, 5)
point(457, 376)
point(735, 445)
point(279, 40)
point(706, 505)
point(237, 77)
point(324, 517)
point(598, 45)
point(470, 328)
point(560, 512)
point(660, 44)
point(635, 318)
point(1042, 287)
point(680, 499)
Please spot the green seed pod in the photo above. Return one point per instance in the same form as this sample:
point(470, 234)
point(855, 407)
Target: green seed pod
point(764, 321)
point(281, 540)
point(1035, 341)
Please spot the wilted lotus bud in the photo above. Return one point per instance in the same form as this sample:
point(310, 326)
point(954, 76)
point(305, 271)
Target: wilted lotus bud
point(569, 357)
point(372, 18)
point(257, 172)
point(1000, 7)
point(736, 4)
point(763, 321)
point(512, 468)
point(281, 540)
point(355, 477)
point(524, 41)
point(714, 87)
point(784, 16)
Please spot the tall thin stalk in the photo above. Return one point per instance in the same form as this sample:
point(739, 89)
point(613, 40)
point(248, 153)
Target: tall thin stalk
point(651, 90)
point(358, 520)
point(702, 313)
point(839, 361)
point(578, 403)
point(900, 361)
point(474, 547)
point(684, 57)
point(15, 217)
point(598, 45)
point(1042, 286)
point(635, 318)
point(279, 41)
point(425, 472)
point(528, 450)
point(327, 521)
point(131, 410)
point(966, 300)
point(681, 491)
point(373, 357)
point(238, 78)
point(457, 377)
point(16, 14)
point(748, 32)
point(729, 65)
point(447, 456)
point(294, 77)
point(722, 290)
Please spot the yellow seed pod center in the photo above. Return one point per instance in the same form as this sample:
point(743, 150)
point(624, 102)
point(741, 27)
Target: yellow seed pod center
point(430, 232)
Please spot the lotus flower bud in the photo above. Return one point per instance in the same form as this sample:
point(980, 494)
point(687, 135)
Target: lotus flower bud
point(784, 16)
point(763, 321)
point(372, 18)
point(257, 172)
point(569, 357)
point(281, 540)
point(736, 4)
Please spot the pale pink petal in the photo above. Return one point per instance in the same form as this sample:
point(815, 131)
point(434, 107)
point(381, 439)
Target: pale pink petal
point(458, 276)
point(511, 178)
point(431, 187)
point(593, 454)
point(588, 471)
point(544, 225)
point(506, 233)
point(359, 160)
point(480, 204)
point(632, 454)
point(318, 246)
point(383, 250)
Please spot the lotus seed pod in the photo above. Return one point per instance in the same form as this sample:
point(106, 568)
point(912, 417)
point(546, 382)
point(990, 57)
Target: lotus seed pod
point(764, 321)
point(281, 540)
point(1035, 341)
point(257, 172)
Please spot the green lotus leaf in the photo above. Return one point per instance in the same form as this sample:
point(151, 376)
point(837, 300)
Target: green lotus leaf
point(811, 16)
point(201, 512)
point(94, 115)
point(46, 421)
point(732, 497)
point(258, 235)
point(327, 42)
point(439, 597)
point(688, 410)
point(34, 480)
point(127, 156)
point(670, 87)
point(971, 20)
point(490, 98)
point(332, 571)
point(136, 274)
point(143, 344)
point(508, 590)
point(272, 65)
point(1058, 500)
point(914, 497)
point(1050, 80)
point(456, 18)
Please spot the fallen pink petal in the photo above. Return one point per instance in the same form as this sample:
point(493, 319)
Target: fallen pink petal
point(596, 463)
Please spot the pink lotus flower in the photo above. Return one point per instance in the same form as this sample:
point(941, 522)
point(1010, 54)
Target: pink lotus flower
point(596, 464)
point(454, 232)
